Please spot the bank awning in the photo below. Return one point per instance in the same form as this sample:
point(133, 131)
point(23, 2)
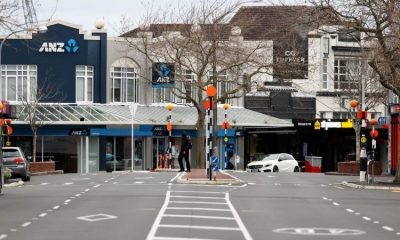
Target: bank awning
point(111, 114)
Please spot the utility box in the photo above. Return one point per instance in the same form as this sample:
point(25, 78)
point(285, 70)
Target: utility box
point(313, 164)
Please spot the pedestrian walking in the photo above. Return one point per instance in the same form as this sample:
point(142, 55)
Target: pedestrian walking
point(184, 153)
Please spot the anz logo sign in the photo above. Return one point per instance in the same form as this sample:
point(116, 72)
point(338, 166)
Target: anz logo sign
point(60, 47)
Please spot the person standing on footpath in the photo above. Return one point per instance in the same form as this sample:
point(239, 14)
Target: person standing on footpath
point(184, 153)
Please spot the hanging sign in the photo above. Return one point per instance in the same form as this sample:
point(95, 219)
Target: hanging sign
point(163, 75)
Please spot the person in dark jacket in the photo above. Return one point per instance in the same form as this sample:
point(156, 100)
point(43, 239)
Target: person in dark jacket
point(184, 153)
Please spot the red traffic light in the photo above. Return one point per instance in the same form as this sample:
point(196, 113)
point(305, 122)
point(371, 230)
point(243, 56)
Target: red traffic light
point(226, 125)
point(374, 133)
point(207, 104)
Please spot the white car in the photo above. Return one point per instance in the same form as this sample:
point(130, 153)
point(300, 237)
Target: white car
point(280, 162)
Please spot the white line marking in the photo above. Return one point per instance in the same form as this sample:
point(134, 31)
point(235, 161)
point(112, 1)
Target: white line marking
point(13, 230)
point(68, 183)
point(251, 183)
point(198, 192)
point(26, 224)
point(198, 216)
point(115, 183)
point(3, 236)
point(216, 203)
point(98, 185)
point(177, 175)
point(43, 215)
point(178, 238)
point(199, 197)
point(324, 198)
point(398, 233)
point(242, 227)
point(388, 228)
point(199, 227)
point(323, 185)
point(67, 201)
point(157, 222)
point(336, 204)
point(139, 182)
point(366, 218)
point(338, 187)
point(357, 213)
point(106, 181)
point(77, 195)
point(200, 209)
point(56, 207)
point(43, 184)
point(87, 189)
point(376, 222)
point(350, 210)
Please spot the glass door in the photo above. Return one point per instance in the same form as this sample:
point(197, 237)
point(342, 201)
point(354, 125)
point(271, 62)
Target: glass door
point(159, 152)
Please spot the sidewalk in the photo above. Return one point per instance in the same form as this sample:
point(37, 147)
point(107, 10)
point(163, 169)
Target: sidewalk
point(199, 176)
point(380, 183)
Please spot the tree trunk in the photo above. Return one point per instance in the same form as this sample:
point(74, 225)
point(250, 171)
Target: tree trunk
point(200, 139)
point(34, 138)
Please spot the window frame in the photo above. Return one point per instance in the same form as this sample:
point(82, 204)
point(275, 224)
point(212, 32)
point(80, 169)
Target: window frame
point(25, 79)
point(85, 78)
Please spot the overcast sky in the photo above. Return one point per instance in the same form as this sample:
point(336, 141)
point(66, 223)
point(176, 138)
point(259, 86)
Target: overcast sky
point(85, 12)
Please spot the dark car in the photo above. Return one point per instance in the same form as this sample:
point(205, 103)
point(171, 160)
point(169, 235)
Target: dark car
point(14, 159)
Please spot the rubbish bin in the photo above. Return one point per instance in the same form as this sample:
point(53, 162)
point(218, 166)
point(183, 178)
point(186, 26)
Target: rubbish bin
point(313, 164)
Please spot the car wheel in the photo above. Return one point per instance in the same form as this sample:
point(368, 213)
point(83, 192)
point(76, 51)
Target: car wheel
point(26, 178)
point(296, 169)
point(276, 169)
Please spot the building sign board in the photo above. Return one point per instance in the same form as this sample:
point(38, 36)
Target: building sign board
point(59, 47)
point(163, 75)
point(160, 131)
point(79, 132)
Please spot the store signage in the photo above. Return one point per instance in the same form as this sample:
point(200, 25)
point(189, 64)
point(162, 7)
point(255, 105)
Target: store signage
point(59, 47)
point(160, 131)
point(348, 124)
point(79, 132)
point(163, 75)
point(290, 56)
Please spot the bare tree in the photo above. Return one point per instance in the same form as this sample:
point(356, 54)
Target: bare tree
point(379, 23)
point(32, 109)
point(205, 50)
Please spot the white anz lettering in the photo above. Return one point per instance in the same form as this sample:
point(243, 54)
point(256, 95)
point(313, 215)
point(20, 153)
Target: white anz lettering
point(52, 47)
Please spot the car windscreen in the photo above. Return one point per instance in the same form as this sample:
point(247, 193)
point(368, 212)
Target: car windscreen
point(10, 153)
point(270, 157)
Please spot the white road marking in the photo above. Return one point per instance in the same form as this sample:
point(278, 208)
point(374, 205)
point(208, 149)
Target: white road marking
point(200, 209)
point(87, 190)
point(97, 217)
point(198, 216)
point(324, 198)
point(199, 227)
point(13, 230)
point(26, 224)
point(157, 221)
point(251, 183)
point(177, 175)
point(398, 233)
point(67, 201)
point(357, 213)
point(198, 197)
point(68, 183)
point(178, 238)
point(242, 227)
point(338, 187)
point(388, 228)
point(350, 210)
point(336, 204)
point(43, 215)
point(3, 236)
point(376, 222)
point(56, 207)
point(322, 185)
point(98, 185)
point(163, 182)
point(216, 203)
point(366, 218)
point(77, 195)
point(115, 183)
point(144, 177)
point(198, 192)
point(43, 184)
point(139, 182)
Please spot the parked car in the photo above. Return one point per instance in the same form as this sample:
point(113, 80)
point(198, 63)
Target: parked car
point(280, 162)
point(14, 159)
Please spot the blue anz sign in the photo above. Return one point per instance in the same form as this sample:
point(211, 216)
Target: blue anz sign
point(60, 47)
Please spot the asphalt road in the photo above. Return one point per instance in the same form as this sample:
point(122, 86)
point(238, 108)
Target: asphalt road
point(144, 205)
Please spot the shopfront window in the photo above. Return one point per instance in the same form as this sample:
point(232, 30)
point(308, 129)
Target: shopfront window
point(119, 154)
point(84, 83)
point(18, 82)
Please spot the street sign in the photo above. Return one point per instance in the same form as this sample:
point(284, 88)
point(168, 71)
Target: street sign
point(215, 168)
point(214, 159)
point(382, 120)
